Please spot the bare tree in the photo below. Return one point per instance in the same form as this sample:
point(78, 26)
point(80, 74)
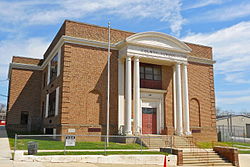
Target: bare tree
point(220, 112)
point(2, 108)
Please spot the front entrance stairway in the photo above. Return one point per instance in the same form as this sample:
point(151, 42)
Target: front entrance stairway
point(192, 155)
point(201, 157)
point(159, 141)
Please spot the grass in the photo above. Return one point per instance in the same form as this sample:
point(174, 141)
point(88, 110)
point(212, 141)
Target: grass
point(59, 145)
point(101, 153)
point(50, 144)
point(244, 152)
point(226, 144)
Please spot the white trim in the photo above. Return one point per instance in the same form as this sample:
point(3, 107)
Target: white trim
point(47, 106)
point(48, 73)
point(156, 99)
point(154, 103)
point(152, 90)
point(25, 66)
point(153, 53)
point(133, 39)
point(57, 101)
point(86, 42)
point(59, 62)
point(201, 60)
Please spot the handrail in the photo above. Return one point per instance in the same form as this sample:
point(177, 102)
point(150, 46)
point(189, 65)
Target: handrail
point(194, 142)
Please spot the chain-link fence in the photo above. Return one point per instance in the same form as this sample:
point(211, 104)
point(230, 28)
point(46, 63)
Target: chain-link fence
point(92, 144)
point(232, 134)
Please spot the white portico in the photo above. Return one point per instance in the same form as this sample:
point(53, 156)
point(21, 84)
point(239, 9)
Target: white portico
point(149, 104)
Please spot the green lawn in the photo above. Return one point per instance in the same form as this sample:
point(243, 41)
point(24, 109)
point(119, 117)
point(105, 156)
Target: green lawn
point(227, 144)
point(59, 145)
point(101, 153)
point(244, 152)
point(50, 144)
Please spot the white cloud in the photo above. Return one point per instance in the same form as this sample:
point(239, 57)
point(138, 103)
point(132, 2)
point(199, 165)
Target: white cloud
point(202, 3)
point(231, 50)
point(234, 100)
point(233, 92)
point(34, 12)
point(32, 47)
point(231, 12)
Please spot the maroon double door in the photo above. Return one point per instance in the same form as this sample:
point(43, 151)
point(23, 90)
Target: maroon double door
point(149, 121)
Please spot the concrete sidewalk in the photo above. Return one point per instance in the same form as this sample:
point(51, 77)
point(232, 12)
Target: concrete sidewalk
point(5, 152)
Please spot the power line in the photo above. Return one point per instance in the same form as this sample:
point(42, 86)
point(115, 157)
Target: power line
point(3, 95)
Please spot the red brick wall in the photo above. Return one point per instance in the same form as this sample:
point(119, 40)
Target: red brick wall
point(201, 91)
point(229, 153)
point(25, 90)
point(84, 87)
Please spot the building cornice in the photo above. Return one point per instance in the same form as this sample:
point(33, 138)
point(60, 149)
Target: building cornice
point(23, 67)
point(193, 59)
point(99, 44)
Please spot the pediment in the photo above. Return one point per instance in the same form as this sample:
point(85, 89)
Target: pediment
point(158, 40)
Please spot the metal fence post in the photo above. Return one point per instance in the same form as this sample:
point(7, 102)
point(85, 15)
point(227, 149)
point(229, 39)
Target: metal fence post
point(105, 146)
point(15, 144)
point(141, 143)
point(64, 145)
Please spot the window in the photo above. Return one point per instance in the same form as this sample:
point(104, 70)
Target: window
point(150, 72)
point(52, 104)
point(43, 108)
point(49, 131)
point(24, 117)
point(53, 68)
point(44, 79)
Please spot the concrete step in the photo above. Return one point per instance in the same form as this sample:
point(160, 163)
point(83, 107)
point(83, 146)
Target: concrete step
point(201, 156)
point(199, 160)
point(225, 164)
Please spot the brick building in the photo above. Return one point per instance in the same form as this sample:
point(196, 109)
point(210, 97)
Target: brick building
point(159, 85)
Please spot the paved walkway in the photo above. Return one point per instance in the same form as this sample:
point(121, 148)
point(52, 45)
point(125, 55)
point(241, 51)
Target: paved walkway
point(5, 153)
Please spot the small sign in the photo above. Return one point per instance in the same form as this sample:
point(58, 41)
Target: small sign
point(94, 129)
point(71, 130)
point(70, 140)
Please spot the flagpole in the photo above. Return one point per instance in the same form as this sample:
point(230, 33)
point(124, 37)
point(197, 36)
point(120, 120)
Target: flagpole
point(108, 85)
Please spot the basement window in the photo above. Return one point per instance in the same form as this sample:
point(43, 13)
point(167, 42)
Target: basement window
point(24, 117)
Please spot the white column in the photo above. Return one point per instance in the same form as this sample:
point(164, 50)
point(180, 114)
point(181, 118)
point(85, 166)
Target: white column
point(179, 128)
point(128, 94)
point(174, 97)
point(47, 106)
point(137, 94)
point(121, 96)
point(185, 100)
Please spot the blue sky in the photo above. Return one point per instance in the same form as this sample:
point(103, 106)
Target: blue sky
point(28, 26)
